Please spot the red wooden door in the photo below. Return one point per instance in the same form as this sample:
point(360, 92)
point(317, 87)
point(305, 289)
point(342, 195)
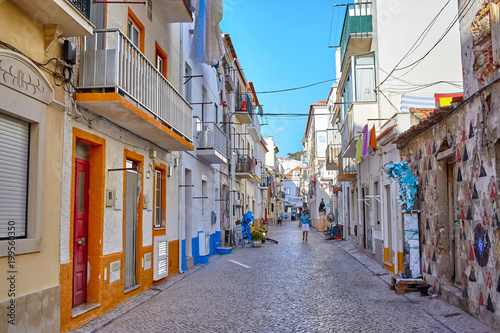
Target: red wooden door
point(80, 243)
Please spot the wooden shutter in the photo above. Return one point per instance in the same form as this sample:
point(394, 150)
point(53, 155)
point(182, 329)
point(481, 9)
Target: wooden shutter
point(14, 158)
point(160, 260)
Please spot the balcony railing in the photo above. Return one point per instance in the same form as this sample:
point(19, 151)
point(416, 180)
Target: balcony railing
point(83, 7)
point(243, 103)
point(265, 182)
point(349, 170)
point(110, 60)
point(245, 164)
point(332, 156)
point(357, 23)
point(210, 136)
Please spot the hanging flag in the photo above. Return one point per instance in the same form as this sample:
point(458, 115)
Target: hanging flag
point(373, 139)
point(359, 147)
point(366, 143)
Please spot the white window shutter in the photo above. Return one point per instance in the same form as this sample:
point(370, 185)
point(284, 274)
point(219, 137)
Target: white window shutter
point(160, 258)
point(14, 152)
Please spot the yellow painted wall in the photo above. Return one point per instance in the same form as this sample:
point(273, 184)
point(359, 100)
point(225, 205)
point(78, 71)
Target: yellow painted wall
point(28, 36)
point(21, 31)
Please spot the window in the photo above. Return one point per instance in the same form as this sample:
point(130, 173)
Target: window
point(203, 108)
point(161, 60)
point(14, 145)
point(216, 114)
point(365, 77)
point(203, 196)
point(287, 190)
point(159, 211)
point(187, 86)
point(135, 31)
point(378, 203)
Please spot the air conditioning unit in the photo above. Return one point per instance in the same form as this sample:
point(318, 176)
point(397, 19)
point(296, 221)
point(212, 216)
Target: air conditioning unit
point(160, 258)
point(238, 203)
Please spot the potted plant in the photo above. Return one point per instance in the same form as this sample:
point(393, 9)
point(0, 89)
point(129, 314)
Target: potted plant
point(257, 237)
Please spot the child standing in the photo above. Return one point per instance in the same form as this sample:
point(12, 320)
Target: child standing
point(305, 219)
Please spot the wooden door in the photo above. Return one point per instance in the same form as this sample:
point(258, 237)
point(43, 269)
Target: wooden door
point(80, 241)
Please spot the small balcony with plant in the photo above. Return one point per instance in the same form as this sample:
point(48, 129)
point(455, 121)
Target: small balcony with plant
point(243, 108)
point(245, 167)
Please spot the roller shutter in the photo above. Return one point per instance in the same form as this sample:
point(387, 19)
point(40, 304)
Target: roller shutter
point(14, 155)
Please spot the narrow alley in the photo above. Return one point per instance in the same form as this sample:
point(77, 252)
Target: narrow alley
point(293, 286)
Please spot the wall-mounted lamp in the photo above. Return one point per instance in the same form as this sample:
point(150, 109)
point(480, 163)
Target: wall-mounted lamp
point(148, 174)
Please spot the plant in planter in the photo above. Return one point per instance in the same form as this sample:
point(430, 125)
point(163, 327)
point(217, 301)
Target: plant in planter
point(257, 237)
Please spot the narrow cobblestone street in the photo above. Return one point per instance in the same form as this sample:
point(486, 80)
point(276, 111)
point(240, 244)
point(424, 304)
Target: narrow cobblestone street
point(292, 286)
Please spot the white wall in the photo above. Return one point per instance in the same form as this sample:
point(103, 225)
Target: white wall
point(397, 25)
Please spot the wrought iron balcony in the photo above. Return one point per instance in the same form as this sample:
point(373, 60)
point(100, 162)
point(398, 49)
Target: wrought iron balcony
point(212, 143)
point(349, 171)
point(111, 63)
point(245, 167)
point(72, 17)
point(357, 31)
point(332, 156)
point(83, 7)
point(243, 108)
point(229, 83)
point(265, 181)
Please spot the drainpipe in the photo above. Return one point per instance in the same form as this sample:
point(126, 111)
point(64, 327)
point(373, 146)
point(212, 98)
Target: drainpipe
point(179, 215)
point(179, 176)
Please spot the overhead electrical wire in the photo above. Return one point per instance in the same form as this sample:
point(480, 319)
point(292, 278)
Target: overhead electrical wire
point(460, 14)
point(417, 42)
point(296, 88)
point(462, 11)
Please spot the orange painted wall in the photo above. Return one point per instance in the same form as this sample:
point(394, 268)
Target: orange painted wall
point(95, 223)
point(100, 290)
point(387, 255)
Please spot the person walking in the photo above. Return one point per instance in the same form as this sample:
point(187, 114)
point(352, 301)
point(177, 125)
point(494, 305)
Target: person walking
point(305, 220)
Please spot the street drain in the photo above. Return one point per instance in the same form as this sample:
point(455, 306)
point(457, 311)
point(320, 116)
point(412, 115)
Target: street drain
point(454, 314)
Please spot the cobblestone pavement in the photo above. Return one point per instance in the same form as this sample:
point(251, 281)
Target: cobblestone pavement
point(294, 286)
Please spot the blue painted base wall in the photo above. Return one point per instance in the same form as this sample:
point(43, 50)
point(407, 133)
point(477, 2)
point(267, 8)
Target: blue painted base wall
point(215, 241)
point(183, 256)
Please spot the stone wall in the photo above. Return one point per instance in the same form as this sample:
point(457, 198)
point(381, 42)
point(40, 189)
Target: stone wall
point(456, 163)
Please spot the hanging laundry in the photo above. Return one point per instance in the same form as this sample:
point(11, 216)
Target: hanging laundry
point(223, 98)
point(366, 143)
point(243, 98)
point(199, 37)
point(373, 139)
point(359, 147)
point(214, 47)
point(207, 44)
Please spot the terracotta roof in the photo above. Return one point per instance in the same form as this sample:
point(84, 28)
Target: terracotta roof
point(426, 122)
point(421, 113)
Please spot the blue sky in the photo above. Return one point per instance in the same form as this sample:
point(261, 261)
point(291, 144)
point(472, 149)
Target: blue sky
point(283, 44)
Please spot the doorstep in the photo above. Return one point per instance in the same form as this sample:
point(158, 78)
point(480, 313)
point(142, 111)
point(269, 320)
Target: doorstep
point(83, 308)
